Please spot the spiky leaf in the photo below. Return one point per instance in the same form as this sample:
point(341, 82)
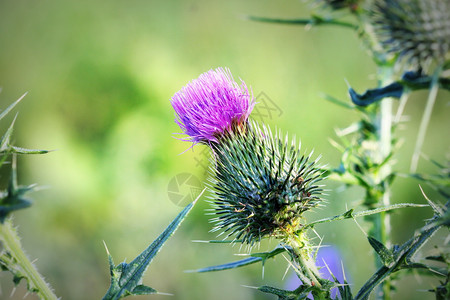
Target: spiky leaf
point(126, 278)
point(254, 258)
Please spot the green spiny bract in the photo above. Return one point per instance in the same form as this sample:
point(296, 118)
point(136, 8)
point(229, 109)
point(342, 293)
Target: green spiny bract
point(262, 184)
point(416, 30)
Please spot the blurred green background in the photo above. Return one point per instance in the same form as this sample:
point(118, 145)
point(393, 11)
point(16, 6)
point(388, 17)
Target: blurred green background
point(100, 75)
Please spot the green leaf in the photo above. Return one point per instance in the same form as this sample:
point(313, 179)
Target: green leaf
point(373, 95)
point(143, 290)
point(14, 197)
point(386, 256)
point(401, 257)
point(285, 294)
point(126, 278)
point(314, 20)
point(254, 258)
point(20, 150)
point(338, 102)
point(6, 138)
point(350, 214)
point(227, 266)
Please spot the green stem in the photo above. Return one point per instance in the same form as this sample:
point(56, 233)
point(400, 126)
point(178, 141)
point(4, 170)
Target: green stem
point(305, 261)
point(383, 224)
point(11, 244)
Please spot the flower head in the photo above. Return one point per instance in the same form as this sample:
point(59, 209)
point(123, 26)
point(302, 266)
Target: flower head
point(211, 105)
point(418, 31)
point(262, 185)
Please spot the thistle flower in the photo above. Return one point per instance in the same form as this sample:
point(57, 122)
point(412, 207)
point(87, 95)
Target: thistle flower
point(211, 105)
point(262, 185)
point(417, 30)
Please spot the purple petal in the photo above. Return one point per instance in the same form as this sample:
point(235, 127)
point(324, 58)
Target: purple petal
point(210, 105)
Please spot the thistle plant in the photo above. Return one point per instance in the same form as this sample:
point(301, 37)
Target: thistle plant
point(261, 183)
point(261, 186)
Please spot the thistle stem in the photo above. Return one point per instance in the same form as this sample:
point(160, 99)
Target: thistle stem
point(381, 227)
point(11, 243)
point(305, 261)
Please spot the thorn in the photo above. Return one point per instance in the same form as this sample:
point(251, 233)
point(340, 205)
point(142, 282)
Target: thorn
point(285, 272)
point(360, 227)
point(164, 294)
point(347, 83)
point(106, 248)
point(249, 286)
point(343, 271)
point(12, 292)
point(328, 268)
point(198, 197)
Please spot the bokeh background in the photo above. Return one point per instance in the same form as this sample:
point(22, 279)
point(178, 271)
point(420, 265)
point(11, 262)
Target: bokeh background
point(99, 77)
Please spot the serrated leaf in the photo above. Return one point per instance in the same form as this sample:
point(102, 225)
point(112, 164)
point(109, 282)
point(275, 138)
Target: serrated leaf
point(338, 102)
point(386, 256)
point(125, 278)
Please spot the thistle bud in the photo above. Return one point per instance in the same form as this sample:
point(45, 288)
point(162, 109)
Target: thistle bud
point(418, 31)
point(262, 185)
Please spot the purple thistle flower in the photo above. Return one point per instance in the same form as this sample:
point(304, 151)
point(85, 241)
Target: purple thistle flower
point(211, 105)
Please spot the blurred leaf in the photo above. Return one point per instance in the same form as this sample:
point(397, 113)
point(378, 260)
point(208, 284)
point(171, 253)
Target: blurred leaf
point(314, 20)
point(373, 95)
point(5, 141)
point(419, 81)
point(126, 278)
point(411, 80)
point(10, 107)
point(6, 138)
